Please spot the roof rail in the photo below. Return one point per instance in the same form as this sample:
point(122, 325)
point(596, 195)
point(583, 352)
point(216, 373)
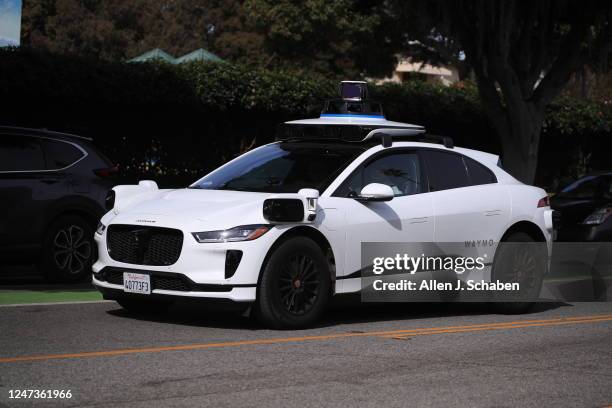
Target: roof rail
point(417, 135)
point(41, 132)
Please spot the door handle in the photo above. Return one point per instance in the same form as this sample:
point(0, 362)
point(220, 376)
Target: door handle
point(418, 220)
point(491, 213)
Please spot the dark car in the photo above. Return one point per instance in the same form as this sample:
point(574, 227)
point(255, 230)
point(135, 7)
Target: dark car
point(53, 188)
point(585, 208)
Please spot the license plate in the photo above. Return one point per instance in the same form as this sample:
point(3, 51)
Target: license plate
point(136, 283)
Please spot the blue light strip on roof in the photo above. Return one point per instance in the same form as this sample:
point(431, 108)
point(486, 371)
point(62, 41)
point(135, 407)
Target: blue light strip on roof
point(344, 115)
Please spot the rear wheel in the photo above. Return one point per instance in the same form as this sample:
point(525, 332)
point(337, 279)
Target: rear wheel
point(519, 259)
point(295, 285)
point(68, 249)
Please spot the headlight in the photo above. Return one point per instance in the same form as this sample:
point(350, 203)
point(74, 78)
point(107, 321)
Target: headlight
point(598, 217)
point(242, 233)
point(101, 228)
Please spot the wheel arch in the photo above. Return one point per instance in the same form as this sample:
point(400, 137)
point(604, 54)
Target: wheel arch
point(84, 208)
point(79, 206)
point(527, 227)
point(309, 232)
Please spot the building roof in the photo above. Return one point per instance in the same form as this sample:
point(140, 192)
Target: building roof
point(158, 54)
point(153, 54)
point(198, 55)
point(407, 65)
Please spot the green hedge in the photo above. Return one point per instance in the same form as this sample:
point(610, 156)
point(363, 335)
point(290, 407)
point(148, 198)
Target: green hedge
point(174, 123)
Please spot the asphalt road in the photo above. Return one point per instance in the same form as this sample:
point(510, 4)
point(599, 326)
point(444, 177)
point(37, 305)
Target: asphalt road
point(395, 355)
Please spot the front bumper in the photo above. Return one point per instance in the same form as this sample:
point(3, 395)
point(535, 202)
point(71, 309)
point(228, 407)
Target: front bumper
point(199, 272)
point(109, 281)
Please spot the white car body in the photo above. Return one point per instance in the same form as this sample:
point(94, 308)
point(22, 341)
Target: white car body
point(455, 215)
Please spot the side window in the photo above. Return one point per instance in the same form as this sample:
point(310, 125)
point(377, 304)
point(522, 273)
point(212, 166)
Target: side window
point(60, 154)
point(20, 153)
point(400, 171)
point(446, 170)
point(478, 173)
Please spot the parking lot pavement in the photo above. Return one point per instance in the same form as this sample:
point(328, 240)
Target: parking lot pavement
point(391, 355)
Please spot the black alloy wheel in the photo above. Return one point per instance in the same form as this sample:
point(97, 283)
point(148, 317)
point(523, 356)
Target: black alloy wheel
point(68, 249)
point(299, 284)
point(295, 285)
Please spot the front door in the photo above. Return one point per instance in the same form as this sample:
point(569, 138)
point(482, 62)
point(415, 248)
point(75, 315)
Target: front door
point(405, 218)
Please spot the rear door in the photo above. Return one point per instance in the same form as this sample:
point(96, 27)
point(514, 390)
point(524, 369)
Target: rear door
point(35, 174)
point(23, 191)
point(469, 206)
point(60, 158)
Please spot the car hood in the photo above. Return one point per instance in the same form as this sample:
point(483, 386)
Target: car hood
point(196, 208)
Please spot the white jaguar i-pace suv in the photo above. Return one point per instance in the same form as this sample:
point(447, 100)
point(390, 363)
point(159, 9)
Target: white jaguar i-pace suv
point(279, 229)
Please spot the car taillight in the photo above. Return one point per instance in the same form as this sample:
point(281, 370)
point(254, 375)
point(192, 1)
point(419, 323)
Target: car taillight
point(107, 172)
point(544, 202)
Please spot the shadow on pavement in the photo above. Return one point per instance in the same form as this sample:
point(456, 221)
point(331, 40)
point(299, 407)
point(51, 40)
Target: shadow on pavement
point(346, 310)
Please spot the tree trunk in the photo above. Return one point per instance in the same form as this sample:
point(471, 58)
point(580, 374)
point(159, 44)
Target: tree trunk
point(519, 135)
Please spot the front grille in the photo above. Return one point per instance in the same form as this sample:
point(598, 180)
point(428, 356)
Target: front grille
point(163, 282)
point(144, 245)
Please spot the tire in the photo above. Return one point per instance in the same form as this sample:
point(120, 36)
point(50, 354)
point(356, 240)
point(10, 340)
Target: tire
point(294, 289)
point(68, 249)
point(145, 306)
point(521, 259)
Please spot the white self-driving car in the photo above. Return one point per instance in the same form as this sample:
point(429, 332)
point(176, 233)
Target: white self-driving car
point(280, 228)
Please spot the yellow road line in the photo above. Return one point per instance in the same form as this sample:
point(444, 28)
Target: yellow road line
point(511, 326)
point(385, 334)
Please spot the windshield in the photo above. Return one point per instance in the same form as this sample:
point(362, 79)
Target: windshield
point(283, 168)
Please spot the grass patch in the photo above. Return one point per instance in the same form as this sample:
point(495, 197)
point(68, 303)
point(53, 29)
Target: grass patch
point(9, 297)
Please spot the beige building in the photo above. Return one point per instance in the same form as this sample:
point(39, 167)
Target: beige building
point(407, 69)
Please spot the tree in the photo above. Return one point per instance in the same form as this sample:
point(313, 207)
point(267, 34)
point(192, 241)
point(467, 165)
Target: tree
point(118, 29)
point(421, 42)
point(343, 37)
point(522, 55)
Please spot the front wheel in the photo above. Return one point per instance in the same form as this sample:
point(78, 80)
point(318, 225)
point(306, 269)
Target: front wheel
point(295, 285)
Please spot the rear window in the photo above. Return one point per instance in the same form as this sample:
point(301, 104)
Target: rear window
point(446, 170)
point(59, 154)
point(478, 173)
point(20, 153)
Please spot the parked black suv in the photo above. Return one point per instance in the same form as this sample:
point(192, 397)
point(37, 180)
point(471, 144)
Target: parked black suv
point(53, 188)
point(586, 209)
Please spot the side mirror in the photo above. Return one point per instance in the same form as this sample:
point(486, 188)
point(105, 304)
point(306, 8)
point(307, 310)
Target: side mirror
point(376, 192)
